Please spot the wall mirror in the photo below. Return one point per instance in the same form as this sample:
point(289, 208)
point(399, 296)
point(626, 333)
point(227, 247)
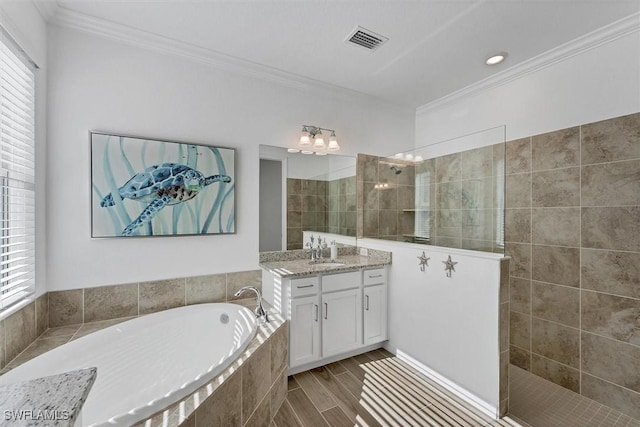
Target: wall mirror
point(305, 194)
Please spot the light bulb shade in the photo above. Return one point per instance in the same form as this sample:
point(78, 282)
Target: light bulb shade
point(333, 143)
point(305, 140)
point(319, 141)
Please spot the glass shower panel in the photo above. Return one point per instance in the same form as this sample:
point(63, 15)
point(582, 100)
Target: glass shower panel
point(447, 194)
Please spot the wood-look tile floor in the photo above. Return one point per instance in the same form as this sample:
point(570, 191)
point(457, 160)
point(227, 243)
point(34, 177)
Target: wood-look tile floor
point(374, 389)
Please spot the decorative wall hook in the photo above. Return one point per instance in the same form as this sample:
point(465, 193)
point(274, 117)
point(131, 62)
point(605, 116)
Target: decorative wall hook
point(424, 261)
point(449, 266)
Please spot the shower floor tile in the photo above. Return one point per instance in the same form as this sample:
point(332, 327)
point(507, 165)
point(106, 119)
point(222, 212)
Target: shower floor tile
point(375, 389)
point(542, 403)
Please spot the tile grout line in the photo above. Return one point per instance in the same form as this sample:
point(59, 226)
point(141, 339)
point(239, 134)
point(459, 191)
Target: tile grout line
point(580, 264)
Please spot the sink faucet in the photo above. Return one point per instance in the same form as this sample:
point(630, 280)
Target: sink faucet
point(314, 252)
point(261, 314)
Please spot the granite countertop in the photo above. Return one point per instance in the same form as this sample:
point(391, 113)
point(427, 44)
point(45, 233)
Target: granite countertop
point(291, 264)
point(50, 401)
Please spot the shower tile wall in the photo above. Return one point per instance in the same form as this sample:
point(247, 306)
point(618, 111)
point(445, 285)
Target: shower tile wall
point(386, 199)
point(572, 229)
point(460, 197)
point(323, 206)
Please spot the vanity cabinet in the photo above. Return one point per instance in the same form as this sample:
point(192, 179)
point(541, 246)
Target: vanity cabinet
point(330, 314)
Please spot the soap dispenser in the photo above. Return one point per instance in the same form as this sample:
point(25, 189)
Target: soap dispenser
point(334, 250)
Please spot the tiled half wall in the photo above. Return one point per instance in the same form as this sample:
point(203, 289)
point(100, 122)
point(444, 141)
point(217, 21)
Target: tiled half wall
point(572, 230)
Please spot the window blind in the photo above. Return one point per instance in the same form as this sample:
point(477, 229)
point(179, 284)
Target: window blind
point(17, 173)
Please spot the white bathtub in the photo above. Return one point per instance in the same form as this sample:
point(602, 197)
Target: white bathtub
point(148, 363)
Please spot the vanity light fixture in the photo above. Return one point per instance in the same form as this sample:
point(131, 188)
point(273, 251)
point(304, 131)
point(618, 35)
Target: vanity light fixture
point(293, 150)
point(496, 59)
point(312, 137)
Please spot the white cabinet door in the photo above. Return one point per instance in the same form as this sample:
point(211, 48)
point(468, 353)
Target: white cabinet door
point(375, 314)
point(304, 331)
point(341, 321)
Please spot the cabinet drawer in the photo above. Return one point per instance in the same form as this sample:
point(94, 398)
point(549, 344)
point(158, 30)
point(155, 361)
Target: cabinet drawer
point(341, 281)
point(304, 286)
point(375, 276)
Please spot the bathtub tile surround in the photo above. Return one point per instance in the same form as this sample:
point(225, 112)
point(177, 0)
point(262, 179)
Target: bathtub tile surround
point(572, 215)
point(88, 305)
point(20, 331)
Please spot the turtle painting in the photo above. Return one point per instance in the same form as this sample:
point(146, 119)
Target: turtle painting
point(161, 185)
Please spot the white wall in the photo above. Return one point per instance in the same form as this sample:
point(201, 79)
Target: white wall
point(97, 84)
point(450, 325)
point(26, 26)
point(597, 84)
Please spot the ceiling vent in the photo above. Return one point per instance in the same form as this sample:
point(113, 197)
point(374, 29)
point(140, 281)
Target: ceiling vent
point(366, 39)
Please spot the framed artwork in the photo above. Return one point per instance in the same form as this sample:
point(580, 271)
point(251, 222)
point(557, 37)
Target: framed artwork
point(150, 187)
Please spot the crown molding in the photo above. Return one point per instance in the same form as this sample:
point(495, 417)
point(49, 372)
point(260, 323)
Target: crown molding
point(153, 42)
point(599, 37)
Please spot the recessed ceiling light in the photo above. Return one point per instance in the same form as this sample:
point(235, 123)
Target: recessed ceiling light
point(496, 59)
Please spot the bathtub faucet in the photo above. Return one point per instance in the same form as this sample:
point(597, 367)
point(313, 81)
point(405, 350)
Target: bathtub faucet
point(261, 314)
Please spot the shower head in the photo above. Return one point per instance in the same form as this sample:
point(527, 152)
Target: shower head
point(396, 170)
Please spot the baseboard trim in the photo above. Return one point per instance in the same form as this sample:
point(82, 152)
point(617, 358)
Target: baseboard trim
point(335, 358)
point(470, 398)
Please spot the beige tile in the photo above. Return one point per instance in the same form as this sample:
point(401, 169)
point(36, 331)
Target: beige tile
point(161, 295)
point(614, 396)
point(388, 220)
point(388, 199)
point(555, 226)
point(294, 186)
point(477, 193)
point(518, 191)
point(613, 139)
point(611, 228)
point(518, 156)
point(261, 417)
point(279, 348)
point(20, 331)
point(520, 357)
point(520, 330)
point(558, 149)
point(612, 316)
point(448, 242)
point(61, 331)
point(520, 295)
point(224, 407)
point(504, 375)
point(477, 245)
point(309, 187)
point(504, 280)
point(517, 225)
point(520, 264)
point(370, 223)
point(611, 184)
point(407, 177)
point(204, 289)
point(559, 304)
point(611, 272)
point(256, 379)
point(556, 342)
point(38, 347)
point(478, 224)
point(504, 326)
point(278, 392)
point(367, 168)
point(294, 219)
point(448, 168)
point(600, 354)
point(42, 314)
point(558, 265)
point(65, 308)
point(237, 280)
point(558, 187)
point(449, 195)
point(110, 302)
point(555, 372)
point(477, 163)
